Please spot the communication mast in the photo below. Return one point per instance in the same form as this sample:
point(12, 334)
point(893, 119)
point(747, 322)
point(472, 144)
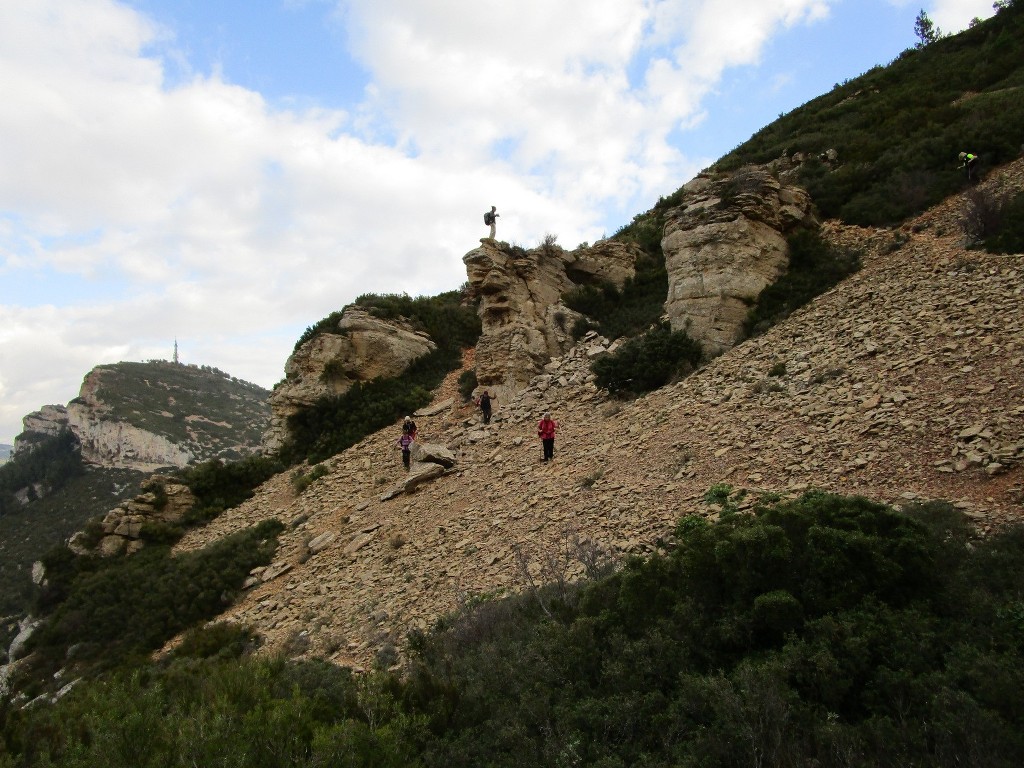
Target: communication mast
point(176, 352)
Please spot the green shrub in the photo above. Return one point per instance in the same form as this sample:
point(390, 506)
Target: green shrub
point(112, 608)
point(467, 383)
point(647, 362)
point(219, 485)
point(1008, 234)
point(220, 640)
point(814, 267)
point(301, 481)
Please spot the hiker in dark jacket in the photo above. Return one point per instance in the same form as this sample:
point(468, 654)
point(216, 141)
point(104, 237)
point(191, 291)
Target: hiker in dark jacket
point(491, 218)
point(484, 401)
point(546, 432)
point(409, 427)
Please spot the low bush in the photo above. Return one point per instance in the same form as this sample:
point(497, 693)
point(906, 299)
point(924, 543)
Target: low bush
point(1008, 234)
point(467, 383)
point(814, 267)
point(114, 608)
point(647, 362)
point(218, 485)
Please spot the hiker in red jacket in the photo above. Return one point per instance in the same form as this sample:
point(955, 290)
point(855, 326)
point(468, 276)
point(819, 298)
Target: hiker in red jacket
point(546, 432)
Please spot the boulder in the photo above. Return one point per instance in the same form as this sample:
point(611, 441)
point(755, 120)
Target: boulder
point(432, 453)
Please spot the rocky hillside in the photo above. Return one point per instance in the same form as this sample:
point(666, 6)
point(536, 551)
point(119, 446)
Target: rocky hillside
point(904, 382)
point(144, 416)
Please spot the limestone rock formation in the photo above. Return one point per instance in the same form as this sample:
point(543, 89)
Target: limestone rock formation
point(114, 442)
point(723, 245)
point(164, 500)
point(148, 416)
point(48, 421)
point(361, 347)
point(524, 322)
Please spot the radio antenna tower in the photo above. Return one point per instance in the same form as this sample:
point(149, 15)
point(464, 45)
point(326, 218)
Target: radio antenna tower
point(176, 352)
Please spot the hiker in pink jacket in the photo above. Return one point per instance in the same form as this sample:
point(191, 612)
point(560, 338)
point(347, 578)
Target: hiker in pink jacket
point(546, 432)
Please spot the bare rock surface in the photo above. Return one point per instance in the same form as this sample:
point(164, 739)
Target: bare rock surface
point(903, 383)
point(524, 321)
point(723, 245)
point(360, 347)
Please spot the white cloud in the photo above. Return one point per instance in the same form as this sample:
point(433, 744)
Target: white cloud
point(955, 15)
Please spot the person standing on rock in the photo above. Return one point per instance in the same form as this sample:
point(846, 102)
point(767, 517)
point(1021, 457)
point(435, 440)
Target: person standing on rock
point(491, 219)
point(546, 432)
point(485, 405)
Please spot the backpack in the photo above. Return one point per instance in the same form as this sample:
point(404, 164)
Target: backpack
point(488, 218)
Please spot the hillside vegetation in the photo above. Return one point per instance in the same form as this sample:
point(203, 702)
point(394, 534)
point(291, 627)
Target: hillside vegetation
point(333, 424)
point(898, 129)
point(825, 631)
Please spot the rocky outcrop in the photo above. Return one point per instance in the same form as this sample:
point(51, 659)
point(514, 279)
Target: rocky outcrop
point(361, 347)
point(149, 416)
point(165, 500)
point(48, 421)
point(524, 322)
point(723, 245)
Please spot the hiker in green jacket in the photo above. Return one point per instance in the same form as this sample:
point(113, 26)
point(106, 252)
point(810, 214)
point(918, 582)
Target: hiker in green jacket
point(970, 165)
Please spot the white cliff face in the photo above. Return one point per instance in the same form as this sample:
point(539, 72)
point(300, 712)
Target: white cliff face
point(119, 444)
point(524, 323)
point(361, 348)
point(723, 245)
point(146, 416)
point(113, 443)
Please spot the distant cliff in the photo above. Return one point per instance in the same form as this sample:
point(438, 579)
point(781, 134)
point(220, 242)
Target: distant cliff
point(145, 416)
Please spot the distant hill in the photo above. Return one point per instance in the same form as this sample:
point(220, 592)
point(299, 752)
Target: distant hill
point(157, 414)
point(78, 461)
point(5, 452)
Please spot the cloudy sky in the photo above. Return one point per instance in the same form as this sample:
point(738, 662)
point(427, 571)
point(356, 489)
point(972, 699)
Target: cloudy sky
point(228, 172)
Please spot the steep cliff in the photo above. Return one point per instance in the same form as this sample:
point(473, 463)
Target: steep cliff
point(144, 416)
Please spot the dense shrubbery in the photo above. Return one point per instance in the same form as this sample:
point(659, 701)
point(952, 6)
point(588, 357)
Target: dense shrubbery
point(814, 267)
point(336, 423)
point(825, 631)
point(647, 362)
point(50, 463)
point(219, 485)
point(957, 94)
point(1007, 234)
point(110, 609)
point(253, 714)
